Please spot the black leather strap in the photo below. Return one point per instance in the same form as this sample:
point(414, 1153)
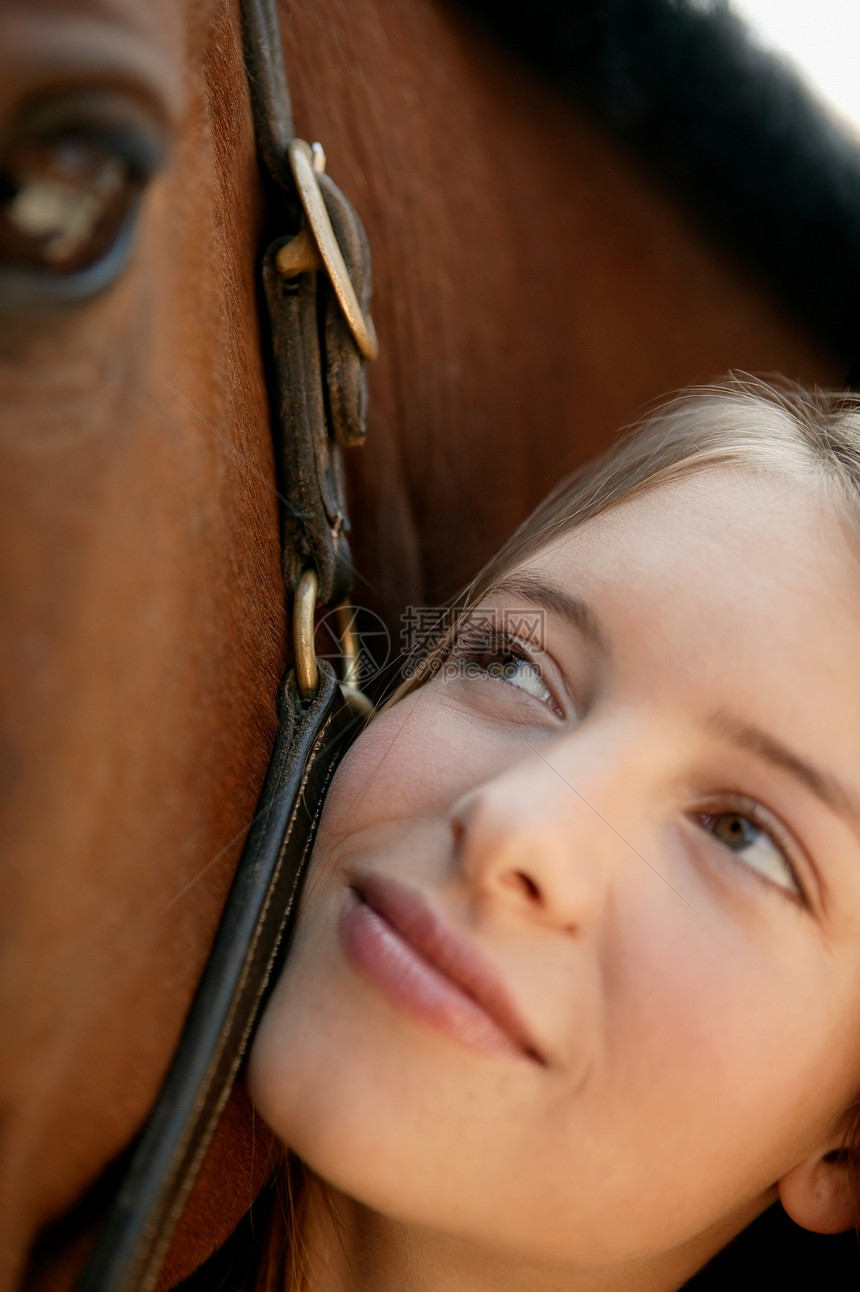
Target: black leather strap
point(250, 943)
point(270, 92)
point(317, 405)
point(319, 399)
point(319, 402)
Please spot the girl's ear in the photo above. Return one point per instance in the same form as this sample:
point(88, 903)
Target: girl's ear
point(821, 1193)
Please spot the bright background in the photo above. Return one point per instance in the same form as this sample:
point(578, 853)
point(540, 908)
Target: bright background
point(821, 38)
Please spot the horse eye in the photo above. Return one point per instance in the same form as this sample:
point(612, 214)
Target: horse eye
point(71, 175)
point(63, 202)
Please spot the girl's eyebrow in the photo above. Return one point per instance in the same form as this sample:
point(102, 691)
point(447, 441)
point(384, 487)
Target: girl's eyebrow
point(823, 784)
point(550, 597)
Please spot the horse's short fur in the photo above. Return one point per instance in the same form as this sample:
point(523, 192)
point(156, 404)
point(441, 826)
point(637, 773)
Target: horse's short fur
point(532, 288)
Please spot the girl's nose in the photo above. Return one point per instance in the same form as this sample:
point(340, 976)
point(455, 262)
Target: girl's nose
point(531, 840)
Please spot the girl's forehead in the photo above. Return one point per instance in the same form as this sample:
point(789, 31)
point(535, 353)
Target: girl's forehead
point(721, 521)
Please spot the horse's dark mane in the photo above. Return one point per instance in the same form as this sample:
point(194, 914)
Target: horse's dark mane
point(733, 131)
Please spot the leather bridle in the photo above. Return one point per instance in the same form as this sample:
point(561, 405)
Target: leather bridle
point(316, 280)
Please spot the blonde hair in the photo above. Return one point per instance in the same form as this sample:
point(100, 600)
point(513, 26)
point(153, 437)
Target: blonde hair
point(771, 427)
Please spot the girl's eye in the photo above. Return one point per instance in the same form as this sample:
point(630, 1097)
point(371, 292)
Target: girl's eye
point(519, 671)
point(488, 653)
point(754, 846)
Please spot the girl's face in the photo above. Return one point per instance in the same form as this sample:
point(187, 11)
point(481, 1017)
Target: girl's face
point(578, 972)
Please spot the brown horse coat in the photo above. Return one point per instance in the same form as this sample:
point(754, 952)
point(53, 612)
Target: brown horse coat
point(532, 290)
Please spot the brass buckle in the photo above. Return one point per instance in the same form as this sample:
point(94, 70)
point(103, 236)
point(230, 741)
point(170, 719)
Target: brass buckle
point(304, 606)
point(307, 670)
point(315, 246)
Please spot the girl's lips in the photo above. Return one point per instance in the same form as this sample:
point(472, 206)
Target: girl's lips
point(390, 934)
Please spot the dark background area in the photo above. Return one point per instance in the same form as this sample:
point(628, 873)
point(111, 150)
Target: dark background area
point(726, 125)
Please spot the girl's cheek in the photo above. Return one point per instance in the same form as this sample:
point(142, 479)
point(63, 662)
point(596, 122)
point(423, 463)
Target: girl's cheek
point(376, 779)
point(416, 759)
point(392, 768)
